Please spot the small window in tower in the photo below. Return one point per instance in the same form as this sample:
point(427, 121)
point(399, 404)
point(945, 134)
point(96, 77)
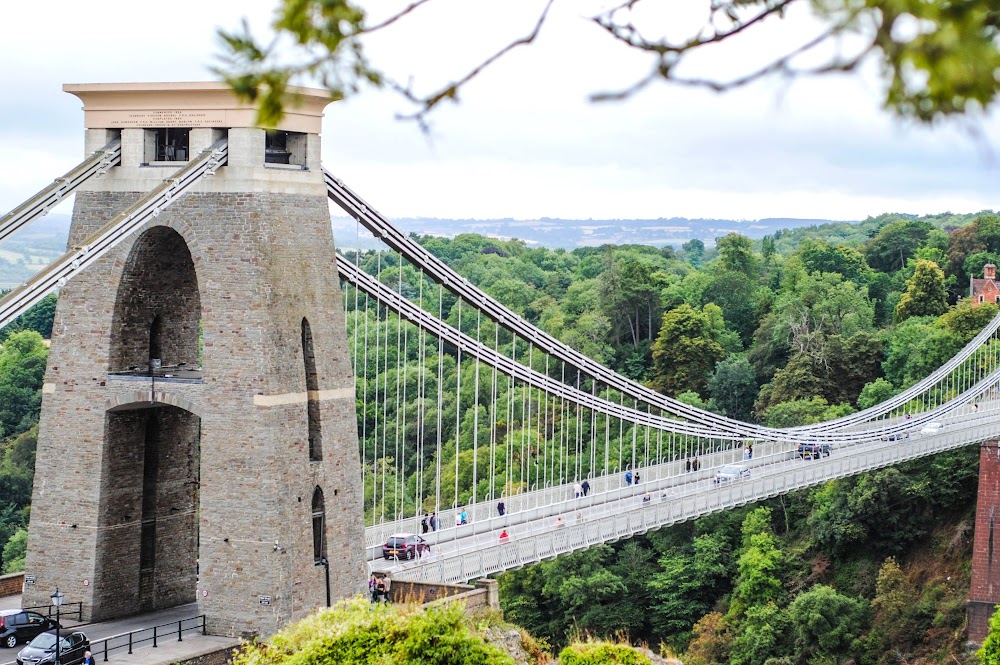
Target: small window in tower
point(281, 147)
point(168, 144)
point(276, 148)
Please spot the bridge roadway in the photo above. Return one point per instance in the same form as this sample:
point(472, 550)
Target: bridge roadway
point(168, 649)
point(463, 553)
point(669, 474)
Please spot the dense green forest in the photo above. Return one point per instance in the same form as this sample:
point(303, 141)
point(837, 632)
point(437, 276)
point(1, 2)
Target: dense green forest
point(799, 327)
point(23, 354)
point(802, 326)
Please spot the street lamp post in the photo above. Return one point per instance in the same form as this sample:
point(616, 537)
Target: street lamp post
point(323, 561)
point(57, 599)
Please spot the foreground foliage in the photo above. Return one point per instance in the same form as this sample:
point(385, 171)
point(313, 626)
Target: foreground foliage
point(936, 58)
point(358, 632)
point(601, 653)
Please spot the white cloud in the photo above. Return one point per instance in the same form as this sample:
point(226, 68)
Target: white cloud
point(524, 142)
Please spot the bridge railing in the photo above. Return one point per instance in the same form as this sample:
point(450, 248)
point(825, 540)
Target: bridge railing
point(484, 518)
point(484, 511)
point(486, 554)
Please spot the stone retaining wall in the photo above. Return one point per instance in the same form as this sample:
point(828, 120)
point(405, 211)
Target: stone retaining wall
point(11, 585)
point(222, 656)
point(485, 593)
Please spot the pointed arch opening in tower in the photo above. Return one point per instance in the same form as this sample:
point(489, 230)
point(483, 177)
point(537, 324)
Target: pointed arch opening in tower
point(156, 324)
point(312, 393)
point(319, 525)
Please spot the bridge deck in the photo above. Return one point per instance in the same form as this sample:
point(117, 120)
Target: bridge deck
point(476, 551)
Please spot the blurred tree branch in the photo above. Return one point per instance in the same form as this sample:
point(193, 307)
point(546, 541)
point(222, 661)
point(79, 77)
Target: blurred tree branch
point(937, 57)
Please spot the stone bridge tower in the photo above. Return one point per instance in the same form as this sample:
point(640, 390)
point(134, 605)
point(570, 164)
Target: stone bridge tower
point(198, 437)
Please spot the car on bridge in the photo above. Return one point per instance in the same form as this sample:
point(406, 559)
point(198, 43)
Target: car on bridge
point(42, 649)
point(732, 472)
point(814, 449)
point(896, 436)
point(22, 626)
point(405, 546)
point(932, 428)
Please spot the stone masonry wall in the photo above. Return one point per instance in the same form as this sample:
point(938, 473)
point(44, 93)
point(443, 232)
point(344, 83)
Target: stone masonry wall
point(221, 656)
point(984, 591)
point(264, 261)
point(405, 591)
point(10, 585)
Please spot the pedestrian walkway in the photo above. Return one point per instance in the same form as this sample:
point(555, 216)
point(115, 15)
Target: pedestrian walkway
point(168, 650)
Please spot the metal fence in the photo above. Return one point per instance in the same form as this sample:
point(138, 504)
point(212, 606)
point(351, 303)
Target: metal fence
point(146, 636)
point(66, 611)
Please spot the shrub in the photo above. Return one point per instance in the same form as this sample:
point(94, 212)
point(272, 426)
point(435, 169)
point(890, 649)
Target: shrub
point(601, 653)
point(356, 632)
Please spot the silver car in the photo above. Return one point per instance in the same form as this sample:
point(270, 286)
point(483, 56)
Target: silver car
point(932, 428)
point(732, 472)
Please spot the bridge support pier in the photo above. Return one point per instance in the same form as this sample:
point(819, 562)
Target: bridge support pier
point(984, 591)
point(198, 434)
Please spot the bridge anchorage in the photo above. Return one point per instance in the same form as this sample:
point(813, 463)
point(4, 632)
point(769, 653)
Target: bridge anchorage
point(199, 436)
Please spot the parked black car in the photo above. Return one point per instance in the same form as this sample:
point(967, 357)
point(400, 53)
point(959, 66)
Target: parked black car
point(814, 449)
point(405, 546)
point(42, 649)
point(22, 626)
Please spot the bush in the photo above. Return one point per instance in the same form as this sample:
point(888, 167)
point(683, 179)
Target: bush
point(356, 632)
point(14, 552)
point(601, 653)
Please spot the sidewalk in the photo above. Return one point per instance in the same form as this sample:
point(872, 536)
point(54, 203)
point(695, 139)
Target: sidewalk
point(168, 650)
point(171, 651)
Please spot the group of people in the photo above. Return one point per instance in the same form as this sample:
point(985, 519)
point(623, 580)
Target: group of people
point(632, 478)
point(580, 489)
point(692, 464)
point(748, 451)
point(378, 587)
point(430, 522)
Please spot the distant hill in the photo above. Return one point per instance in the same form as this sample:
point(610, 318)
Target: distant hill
point(25, 252)
point(572, 233)
point(31, 248)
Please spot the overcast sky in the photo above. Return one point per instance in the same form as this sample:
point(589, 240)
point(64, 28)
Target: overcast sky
point(524, 142)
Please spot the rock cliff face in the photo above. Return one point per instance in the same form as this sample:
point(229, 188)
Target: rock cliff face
point(511, 642)
point(526, 651)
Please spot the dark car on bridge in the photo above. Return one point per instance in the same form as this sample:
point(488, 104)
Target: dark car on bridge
point(814, 449)
point(42, 649)
point(405, 546)
point(22, 626)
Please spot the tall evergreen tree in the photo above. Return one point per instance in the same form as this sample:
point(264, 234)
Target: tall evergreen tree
point(925, 293)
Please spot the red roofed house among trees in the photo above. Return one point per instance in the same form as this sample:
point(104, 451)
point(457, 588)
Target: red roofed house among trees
point(986, 289)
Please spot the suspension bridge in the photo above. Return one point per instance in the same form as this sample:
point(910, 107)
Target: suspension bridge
point(465, 408)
